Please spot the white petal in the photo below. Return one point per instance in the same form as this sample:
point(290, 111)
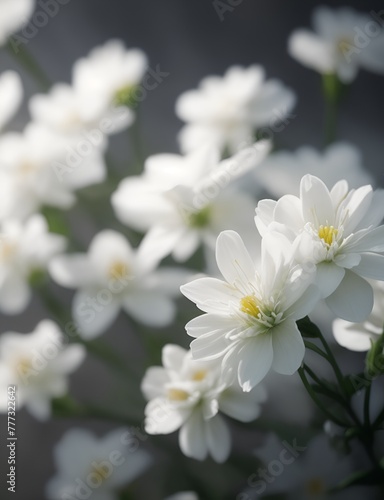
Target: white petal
point(218, 438)
point(11, 94)
point(149, 308)
point(233, 259)
point(317, 202)
point(211, 295)
point(358, 205)
point(210, 346)
point(15, 294)
point(242, 406)
point(371, 266)
point(192, 437)
point(256, 360)
point(94, 312)
point(173, 357)
point(208, 323)
point(328, 277)
point(162, 417)
point(311, 50)
point(71, 271)
point(353, 336)
point(288, 348)
point(153, 383)
point(353, 299)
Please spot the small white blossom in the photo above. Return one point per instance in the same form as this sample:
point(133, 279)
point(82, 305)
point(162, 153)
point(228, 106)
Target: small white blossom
point(39, 167)
point(338, 231)
point(185, 201)
point(112, 276)
point(359, 336)
point(11, 95)
point(226, 111)
point(38, 363)
point(250, 320)
point(14, 14)
point(281, 172)
point(97, 468)
point(24, 249)
point(106, 80)
point(186, 394)
point(343, 42)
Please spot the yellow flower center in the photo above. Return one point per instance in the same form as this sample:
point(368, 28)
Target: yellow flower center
point(177, 395)
point(327, 234)
point(315, 486)
point(344, 44)
point(103, 475)
point(7, 250)
point(249, 306)
point(118, 270)
point(23, 366)
point(199, 375)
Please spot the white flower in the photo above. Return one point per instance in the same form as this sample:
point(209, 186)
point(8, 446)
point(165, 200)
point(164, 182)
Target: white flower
point(65, 110)
point(186, 394)
point(40, 167)
point(251, 316)
point(107, 79)
point(343, 42)
point(24, 249)
point(97, 468)
point(112, 276)
point(226, 111)
point(38, 364)
point(281, 172)
point(183, 201)
point(339, 232)
point(14, 14)
point(359, 336)
point(184, 495)
point(11, 95)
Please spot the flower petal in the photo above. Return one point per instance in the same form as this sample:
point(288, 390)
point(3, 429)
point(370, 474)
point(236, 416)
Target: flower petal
point(192, 437)
point(288, 348)
point(218, 438)
point(256, 356)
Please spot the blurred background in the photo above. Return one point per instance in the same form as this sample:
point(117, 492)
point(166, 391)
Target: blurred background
point(188, 40)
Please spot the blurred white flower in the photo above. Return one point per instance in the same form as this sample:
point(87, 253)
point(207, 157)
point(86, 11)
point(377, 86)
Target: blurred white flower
point(359, 336)
point(112, 276)
point(185, 201)
point(40, 167)
point(11, 95)
point(184, 495)
point(186, 394)
point(343, 42)
point(226, 111)
point(38, 363)
point(106, 80)
point(251, 316)
point(14, 14)
point(338, 231)
point(25, 248)
point(91, 467)
point(281, 172)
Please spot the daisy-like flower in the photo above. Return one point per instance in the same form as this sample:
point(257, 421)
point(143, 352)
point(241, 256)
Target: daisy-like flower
point(39, 167)
point(338, 231)
point(187, 394)
point(11, 95)
point(185, 201)
point(97, 468)
point(107, 80)
point(25, 249)
point(250, 320)
point(339, 161)
point(13, 16)
point(226, 111)
point(112, 276)
point(343, 42)
point(359, 336)
point(38, 363)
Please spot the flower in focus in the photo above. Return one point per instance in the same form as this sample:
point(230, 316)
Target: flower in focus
point(88, 466)
point(185, 201)
point(25, 249)
point(227, 111)
point(38, 364)
point(250, 320)
point(359, 336)
point(106, 81)
point(112, 276)
point(187, 394)
point(344, 41)
point(40, 167)
point(281, 172)
point(11, 95)
point(13, 16)
point(338, 231)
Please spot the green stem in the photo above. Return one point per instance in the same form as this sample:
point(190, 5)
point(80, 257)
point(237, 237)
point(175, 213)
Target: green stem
point(29, 63)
